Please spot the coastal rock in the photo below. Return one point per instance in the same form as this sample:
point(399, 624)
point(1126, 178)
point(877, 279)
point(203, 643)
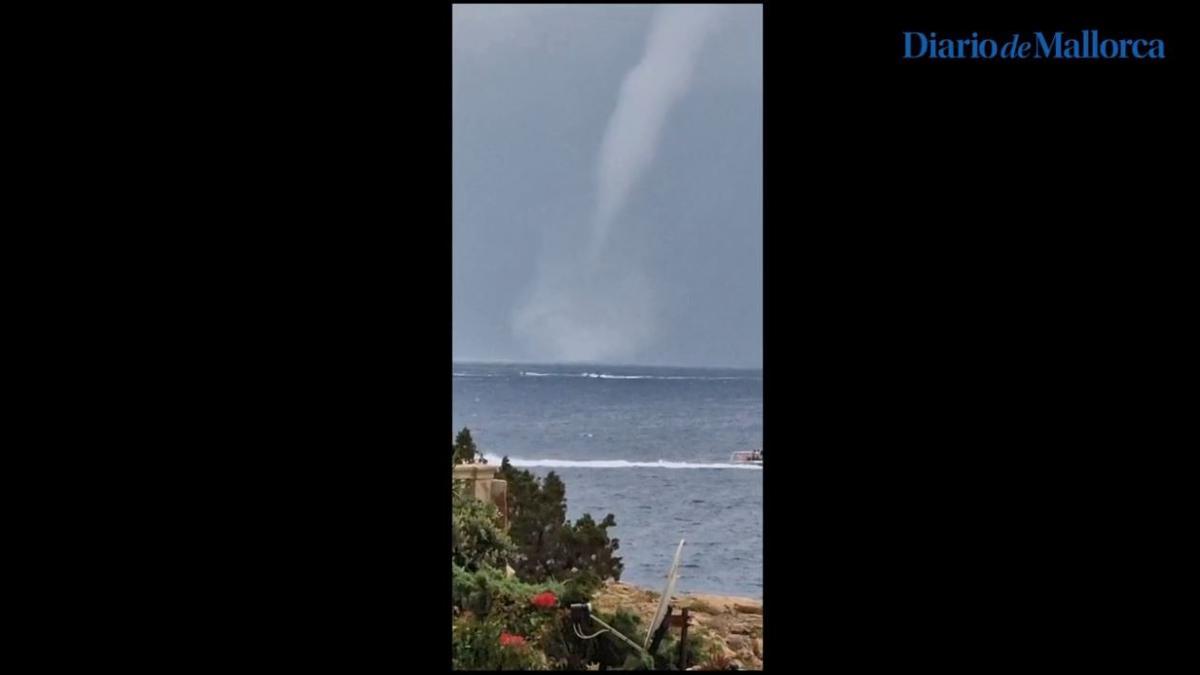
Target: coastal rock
point(742, 628)
point(734, 624)
point(738, 643)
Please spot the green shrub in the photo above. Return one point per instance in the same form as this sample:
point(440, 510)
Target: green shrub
point(568, 651)
point(477, 539)
point(489, 594)
point(699, 650)
point(580, 589)
point(569, 560)
point(548, 546)
point(481, 645)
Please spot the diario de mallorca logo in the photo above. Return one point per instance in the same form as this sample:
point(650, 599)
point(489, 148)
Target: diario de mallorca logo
point(1086, 44)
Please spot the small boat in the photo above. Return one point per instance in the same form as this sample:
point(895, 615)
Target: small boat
point(747, 457)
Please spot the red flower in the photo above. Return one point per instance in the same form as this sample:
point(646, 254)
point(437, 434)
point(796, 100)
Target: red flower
point(509, 640)
point(545, 600)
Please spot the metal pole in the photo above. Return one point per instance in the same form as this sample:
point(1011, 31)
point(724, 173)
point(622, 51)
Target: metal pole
point(618, 634)
point(662, 630)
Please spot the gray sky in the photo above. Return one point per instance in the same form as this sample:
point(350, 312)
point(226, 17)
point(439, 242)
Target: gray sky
point(607, 184)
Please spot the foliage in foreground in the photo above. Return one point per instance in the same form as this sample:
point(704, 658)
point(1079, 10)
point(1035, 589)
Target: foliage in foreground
point(700, 650)
point(550, 547)
point(513, 603)
point(490, 606)
point(569, 651)
point(518, 623)
point(476, 535)
point(485, 645)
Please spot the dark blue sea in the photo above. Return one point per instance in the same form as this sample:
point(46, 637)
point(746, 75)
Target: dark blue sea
point(650, 445)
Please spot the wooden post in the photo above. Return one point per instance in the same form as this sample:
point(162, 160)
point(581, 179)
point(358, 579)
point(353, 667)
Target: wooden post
point(683, 641)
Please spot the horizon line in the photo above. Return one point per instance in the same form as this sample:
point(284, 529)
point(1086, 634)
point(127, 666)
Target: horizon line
point(513, 362)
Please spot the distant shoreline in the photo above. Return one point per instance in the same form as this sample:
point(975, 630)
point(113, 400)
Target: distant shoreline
point(588, 364)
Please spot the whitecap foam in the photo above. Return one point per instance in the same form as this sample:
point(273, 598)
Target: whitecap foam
point(611, 376)
point(617, 464)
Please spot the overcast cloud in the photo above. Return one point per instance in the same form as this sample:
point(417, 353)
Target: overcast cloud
point(607, 184)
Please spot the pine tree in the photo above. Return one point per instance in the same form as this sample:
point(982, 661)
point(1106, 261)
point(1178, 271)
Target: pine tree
point(464, 448)
point(552, 547)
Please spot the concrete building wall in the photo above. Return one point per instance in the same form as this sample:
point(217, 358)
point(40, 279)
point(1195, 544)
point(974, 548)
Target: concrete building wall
point(483, 484)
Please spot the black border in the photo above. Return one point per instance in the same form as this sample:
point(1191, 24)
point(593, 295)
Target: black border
point(932, 283)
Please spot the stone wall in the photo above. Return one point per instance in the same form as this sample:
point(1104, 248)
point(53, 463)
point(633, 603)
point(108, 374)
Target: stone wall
point(483, 484)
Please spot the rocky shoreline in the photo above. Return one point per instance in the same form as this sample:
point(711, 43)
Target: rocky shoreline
point(734, 623)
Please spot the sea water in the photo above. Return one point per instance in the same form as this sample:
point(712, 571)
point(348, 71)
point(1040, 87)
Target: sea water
point(650, 445)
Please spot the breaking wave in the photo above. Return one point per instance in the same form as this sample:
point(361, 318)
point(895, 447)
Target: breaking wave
point(607, 376)
point(618, 464)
